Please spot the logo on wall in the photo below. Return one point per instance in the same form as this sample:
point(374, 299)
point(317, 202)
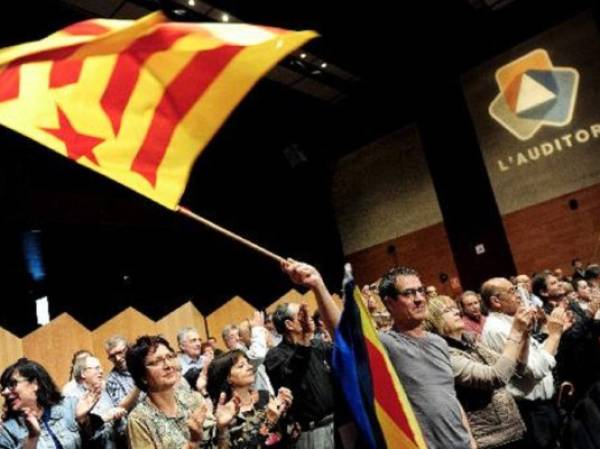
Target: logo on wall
point(534, 93)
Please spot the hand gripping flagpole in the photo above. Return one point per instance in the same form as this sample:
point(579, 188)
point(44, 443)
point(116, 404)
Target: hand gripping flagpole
point(188, 213)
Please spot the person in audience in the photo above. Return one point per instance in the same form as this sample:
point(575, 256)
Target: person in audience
point(422, 362)
point(302, 364)
point(275, 336)
point(190, 346)
point(119, 385)
point(321, 331)
point(37, 416)
point(170, 417)
point(90, 377)
point(253, 342)
point(72, 383)
point(481, 374)
point(419, 357)
point(231, 336)
point(431, 291)
point(558, 273)
point(258, 423)
point(549, 288)
point(523, 283)
point(473, 319)
point(210, 345)
point(369, 299)
point(534, 390)
point(592, 276)
point(578, 269)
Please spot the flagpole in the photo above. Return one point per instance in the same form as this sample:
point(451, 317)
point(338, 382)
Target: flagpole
point(188, 213)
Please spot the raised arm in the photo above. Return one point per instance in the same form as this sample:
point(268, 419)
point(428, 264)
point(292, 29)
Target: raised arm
point(304, 274)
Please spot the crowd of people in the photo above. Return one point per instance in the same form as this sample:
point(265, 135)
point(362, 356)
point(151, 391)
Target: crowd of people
point(515, 365)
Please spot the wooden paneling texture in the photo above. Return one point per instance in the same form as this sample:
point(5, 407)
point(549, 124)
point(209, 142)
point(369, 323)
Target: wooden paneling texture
point(232, 312)
point(129, 323)
point(53, 345)
point(11, 348)
point(292, 296)
point(185, 316)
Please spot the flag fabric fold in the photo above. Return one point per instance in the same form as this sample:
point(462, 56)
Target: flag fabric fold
point(371, 388)
point(136, 101)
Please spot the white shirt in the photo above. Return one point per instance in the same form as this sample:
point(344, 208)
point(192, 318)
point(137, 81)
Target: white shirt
point(537, 383)
point(256, 354)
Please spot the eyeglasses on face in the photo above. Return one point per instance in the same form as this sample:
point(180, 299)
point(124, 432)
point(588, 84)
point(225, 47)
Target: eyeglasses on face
point(412, 292)
point(162, 360)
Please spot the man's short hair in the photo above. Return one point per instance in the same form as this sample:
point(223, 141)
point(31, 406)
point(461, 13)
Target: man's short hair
point(113, 342)
point(182, 334)
point(282, 313)
point(227, 330)
point(387, 285)
point(465, 294)
point(79, 367)
point(538, 283)
point(592, 272)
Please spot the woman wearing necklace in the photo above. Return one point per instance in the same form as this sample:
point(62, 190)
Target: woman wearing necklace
point(36, 414)
point(258, 423)
point(171, 416)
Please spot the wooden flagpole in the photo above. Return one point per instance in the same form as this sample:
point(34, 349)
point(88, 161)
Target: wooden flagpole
point(188, 213)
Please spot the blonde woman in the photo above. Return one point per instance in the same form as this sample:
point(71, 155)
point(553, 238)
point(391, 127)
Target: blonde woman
point(481, 374)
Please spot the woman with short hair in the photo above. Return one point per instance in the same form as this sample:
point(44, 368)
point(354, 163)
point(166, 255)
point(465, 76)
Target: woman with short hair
point(171, 416)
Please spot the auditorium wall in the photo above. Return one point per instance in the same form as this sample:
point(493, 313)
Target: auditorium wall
point(387, 210)
point(53, 344)
point(535, 112)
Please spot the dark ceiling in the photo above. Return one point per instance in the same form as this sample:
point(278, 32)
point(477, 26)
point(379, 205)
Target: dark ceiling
point(105, 248)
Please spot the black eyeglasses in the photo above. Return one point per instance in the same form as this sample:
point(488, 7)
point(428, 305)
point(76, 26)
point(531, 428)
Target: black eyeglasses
point(412, 292)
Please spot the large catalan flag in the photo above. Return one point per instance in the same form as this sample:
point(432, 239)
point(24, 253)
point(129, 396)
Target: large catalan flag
point(136, 101)
point(371, 387)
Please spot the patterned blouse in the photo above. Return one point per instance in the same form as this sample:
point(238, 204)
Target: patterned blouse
point(250, 429)
point(150, 428)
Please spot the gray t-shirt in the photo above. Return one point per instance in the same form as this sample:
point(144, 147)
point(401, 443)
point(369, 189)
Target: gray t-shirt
point(423, 366)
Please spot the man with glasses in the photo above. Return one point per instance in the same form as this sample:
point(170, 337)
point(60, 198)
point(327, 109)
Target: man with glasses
point(422, 362)
point(89, 375)
point(120, 386)
point(302, 364)
point(534, 390)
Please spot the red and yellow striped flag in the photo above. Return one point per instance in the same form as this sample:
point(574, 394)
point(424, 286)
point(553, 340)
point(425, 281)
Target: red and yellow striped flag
point(136, 101)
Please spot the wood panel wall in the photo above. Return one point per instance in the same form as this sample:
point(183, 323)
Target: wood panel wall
point(551, 234)
point(185, 316)
point(129, 323)
point(53, 345)
point(11, 348)
point(233, 311)
point(427, 250)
